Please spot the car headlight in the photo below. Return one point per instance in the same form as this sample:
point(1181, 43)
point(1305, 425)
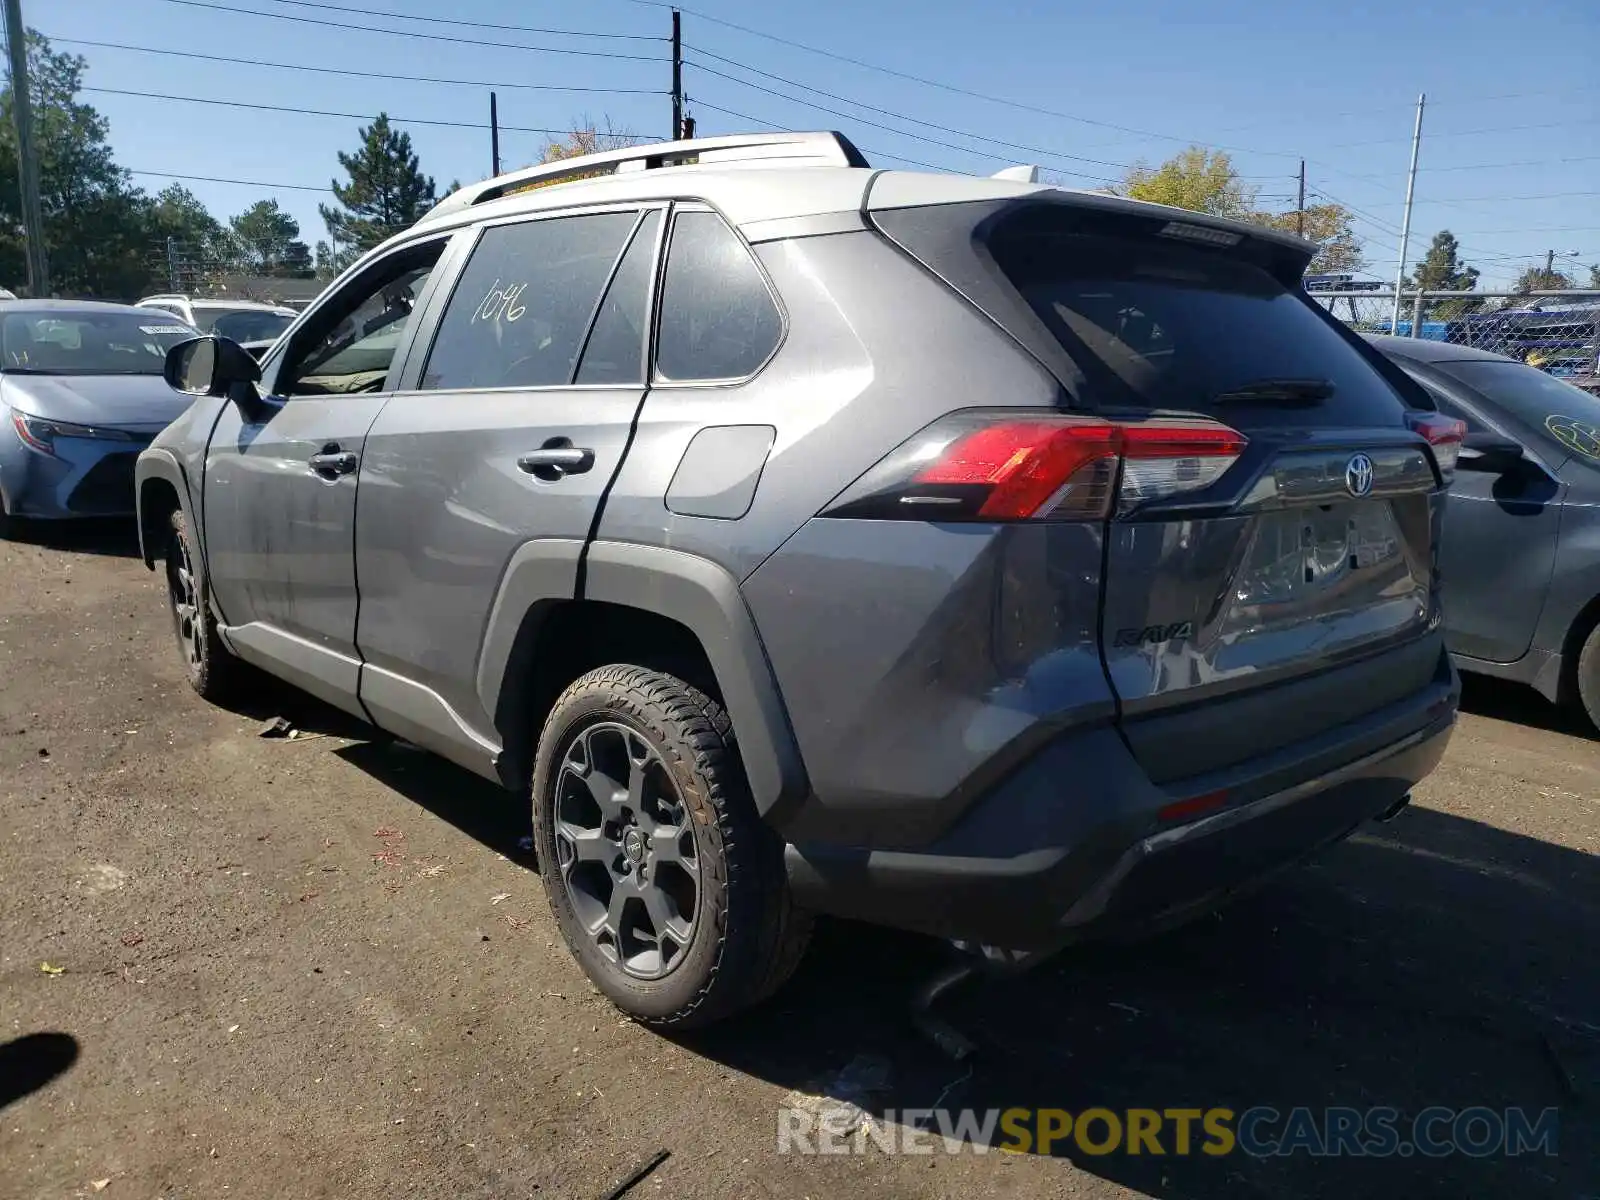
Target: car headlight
point(41, 433)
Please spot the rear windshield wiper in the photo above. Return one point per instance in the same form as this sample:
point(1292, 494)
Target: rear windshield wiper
point(1277, 391)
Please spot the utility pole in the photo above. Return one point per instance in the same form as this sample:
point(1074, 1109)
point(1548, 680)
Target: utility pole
point(494, 134)
point(1300, 205)
point(677, 74)
point(27, 164)
point(1405, 224)
point(172, 265)
point(1549, 263)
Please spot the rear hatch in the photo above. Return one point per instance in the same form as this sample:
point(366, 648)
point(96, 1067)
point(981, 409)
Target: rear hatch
point(1271, 521)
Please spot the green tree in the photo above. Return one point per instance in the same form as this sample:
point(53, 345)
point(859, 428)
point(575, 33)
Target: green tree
point(386, 192)
point(268, 240)
point(1441, 268)
point(1198, 179)
point(1594, 277)
point(1537, 279)
point(96, 224)
point(190, 247)
point(1330, 226)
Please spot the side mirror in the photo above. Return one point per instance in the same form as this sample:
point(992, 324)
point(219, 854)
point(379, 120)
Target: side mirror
point(1489, 452)
point(210, 366)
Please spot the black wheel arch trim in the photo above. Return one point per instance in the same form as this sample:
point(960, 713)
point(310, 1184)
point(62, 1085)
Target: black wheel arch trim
point(688, 589)
point(159, 463)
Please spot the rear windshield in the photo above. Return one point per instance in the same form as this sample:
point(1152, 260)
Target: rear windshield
point(1550, 409)
point(1157, 324)
point(244, 324)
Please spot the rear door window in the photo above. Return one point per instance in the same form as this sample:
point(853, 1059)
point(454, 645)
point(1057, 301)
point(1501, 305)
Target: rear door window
point(615, 350)
point(718, 318)
point(524, 303)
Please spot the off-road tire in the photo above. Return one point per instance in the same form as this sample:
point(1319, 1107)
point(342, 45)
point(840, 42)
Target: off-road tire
point(212, 670)
point(749, 937)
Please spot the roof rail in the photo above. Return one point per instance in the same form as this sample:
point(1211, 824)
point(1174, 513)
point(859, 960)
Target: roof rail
point(784, 149)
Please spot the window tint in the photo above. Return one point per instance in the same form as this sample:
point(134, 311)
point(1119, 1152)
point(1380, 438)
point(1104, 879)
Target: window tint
point(718, 320)
point(524, 302)
point(615, 353)
point(1563, 418)
point(349, 343)
point(1155, 323)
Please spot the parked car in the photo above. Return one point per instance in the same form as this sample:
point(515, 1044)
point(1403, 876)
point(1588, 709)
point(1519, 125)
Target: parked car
point(81, 393)
point(1003, 563)
point(243, 321)
point(1521, 549)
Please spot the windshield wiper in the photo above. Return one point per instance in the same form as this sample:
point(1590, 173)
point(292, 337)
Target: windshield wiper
point(1277, 391)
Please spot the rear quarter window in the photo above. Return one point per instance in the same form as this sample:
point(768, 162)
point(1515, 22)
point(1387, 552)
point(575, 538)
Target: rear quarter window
point(718, 318)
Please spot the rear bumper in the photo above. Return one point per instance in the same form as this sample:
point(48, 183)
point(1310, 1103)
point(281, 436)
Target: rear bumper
point(1073, 846)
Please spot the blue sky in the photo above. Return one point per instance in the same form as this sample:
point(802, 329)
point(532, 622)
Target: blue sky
point(1510, 155)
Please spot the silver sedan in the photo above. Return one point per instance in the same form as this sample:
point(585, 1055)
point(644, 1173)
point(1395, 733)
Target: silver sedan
point(81, 393)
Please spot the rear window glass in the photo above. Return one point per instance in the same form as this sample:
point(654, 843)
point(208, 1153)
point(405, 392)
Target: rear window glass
point(1550, 409)
point(1158, 325)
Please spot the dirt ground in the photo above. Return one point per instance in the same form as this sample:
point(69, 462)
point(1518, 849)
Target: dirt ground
point(325, 968)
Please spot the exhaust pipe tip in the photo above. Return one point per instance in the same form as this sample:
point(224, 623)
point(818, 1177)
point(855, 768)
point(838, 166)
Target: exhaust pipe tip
point(1394, 810)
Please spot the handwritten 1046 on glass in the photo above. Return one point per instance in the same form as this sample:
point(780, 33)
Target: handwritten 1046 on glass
point(501, 304)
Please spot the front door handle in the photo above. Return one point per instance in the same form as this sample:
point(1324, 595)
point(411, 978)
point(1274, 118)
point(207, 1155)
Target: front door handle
point(333, 462)
point(552, 462)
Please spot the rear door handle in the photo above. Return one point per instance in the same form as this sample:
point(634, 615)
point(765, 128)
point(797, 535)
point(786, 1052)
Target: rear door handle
point(556, 461)
point(334, 462)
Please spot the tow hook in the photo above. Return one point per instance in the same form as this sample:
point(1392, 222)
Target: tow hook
point(1393, 810)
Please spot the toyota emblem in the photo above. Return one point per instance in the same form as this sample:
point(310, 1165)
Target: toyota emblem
point(1358, 475)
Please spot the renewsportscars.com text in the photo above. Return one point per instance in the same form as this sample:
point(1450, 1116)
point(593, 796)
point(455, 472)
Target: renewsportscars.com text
point(1261, 1132)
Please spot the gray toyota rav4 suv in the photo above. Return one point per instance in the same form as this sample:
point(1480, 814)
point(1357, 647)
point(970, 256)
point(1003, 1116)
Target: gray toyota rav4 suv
point(969, 556)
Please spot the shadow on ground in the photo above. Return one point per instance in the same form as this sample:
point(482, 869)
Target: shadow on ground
point(1431, 961)
point(112, 537)
point(32, 1061)
point(1521, 705)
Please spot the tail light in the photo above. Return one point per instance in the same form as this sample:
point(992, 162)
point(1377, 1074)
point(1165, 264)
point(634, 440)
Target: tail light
point(1444, 434)
point(989, 466)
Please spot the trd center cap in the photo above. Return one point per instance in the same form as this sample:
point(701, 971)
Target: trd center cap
point(633, 845)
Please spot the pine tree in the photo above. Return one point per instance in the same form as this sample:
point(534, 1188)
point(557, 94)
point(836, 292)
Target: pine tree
point(387, 191)
point(1441, 268)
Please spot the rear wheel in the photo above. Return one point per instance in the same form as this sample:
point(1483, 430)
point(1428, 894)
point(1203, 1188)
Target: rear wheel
point(668, 888)
point(209, 666)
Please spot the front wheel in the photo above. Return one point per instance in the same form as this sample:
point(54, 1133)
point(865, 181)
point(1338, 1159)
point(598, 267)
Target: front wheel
point(211, 669)
point(668, 888)
point(1588, 672)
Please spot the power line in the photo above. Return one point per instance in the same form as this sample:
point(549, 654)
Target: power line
point(291, 187)
point(378, 12)
point(1500, 199)
point(235, 10)
point(1452, 132)
point(979, 137)
point(319, 112)
point(235, 60)
point(948, 87)
point(879, 125)
point(728, 112)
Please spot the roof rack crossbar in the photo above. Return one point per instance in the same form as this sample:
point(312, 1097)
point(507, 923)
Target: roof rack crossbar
point(785, 149)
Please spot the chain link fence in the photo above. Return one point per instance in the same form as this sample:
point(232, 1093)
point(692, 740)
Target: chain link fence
point(1558, 332)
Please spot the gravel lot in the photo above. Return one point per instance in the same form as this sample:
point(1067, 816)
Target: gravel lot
point(324, 967)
